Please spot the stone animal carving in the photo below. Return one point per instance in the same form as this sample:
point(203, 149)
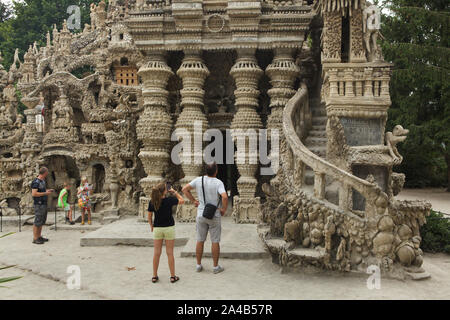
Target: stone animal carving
point(392, 139)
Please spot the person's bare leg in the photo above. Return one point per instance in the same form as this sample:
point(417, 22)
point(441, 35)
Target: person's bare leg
point(156, 256)
point(70, 215)
point(169, 250)
point(83, 213)
point(35, 233)
point(89, 215)
point(215, 249)
point(199, 252)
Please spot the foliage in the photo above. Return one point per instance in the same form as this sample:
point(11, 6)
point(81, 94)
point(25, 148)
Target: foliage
point(5, 12)
point(436, 233)
point(416, 40)
point(32, 20)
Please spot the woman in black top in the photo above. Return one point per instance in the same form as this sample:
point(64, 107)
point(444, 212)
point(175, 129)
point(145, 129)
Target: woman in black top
point(163, 227)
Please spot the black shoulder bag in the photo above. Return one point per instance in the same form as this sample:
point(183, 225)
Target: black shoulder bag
point(210, 210)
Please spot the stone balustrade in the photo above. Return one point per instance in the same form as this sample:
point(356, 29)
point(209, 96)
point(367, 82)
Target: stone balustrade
point(355, 81)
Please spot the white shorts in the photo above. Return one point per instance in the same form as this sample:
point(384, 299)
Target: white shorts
point(214, 226)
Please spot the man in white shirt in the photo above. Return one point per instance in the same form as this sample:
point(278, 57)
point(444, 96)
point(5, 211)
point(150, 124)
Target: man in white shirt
point(214, 193)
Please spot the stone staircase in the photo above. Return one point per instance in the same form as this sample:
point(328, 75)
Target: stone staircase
point(309, 218)
point(317, 138)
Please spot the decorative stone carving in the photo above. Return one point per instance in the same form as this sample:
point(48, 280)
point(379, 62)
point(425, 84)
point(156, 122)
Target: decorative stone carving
point(246, 73)
point(155, 124)
point(283, 71)
point(193, 72)
point(371, 23)
point(392, 139)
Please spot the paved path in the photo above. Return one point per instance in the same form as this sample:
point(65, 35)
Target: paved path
point(239, 241)
point(125, 273)
point(439, 198)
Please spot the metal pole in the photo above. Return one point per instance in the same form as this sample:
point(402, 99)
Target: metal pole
point(1, 220)
point(20, 219)
point(55, 220)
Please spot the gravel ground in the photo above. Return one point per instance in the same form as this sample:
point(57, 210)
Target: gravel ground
point(125, 273)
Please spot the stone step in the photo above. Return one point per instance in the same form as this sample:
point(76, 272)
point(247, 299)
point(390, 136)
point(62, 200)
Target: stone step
point(322, 128)
point(76, 227)
point(129, 232)
point(418, 276)
point(318, 133)
point(319, 112)
point(319, 151)
point(308, 254)
point(321, 121)
point(316, 142)
point(239, 241)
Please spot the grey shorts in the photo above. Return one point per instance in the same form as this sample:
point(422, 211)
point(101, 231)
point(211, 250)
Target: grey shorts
point(40, 212)
point(214, 227)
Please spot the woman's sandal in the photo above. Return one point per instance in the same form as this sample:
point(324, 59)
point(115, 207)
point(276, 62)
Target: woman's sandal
point(174, 279)
point(155, 279)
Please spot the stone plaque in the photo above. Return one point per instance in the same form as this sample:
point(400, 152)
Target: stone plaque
point(362, 171)
point(362, 132)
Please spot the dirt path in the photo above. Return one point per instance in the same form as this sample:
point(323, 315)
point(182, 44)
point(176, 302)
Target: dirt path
point(439, 198)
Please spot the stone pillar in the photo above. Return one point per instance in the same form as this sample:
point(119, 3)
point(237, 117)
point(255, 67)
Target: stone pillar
point(283, 71)
point(193, 72)
point(31, 137)
point(155, 124)
point(246, 73)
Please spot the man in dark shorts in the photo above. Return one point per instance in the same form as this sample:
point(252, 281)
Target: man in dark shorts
point(40, 195)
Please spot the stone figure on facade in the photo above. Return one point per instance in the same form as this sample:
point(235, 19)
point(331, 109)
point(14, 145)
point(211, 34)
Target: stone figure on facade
point(371, 29)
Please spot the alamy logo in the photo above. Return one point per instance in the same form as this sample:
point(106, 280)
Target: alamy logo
point(74, 20)
point(252, 147)
point(374, 281)
point(74, 280)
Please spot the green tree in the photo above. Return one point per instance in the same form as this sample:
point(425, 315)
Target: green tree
point(416, 40)
point(5, 12)
point(31, 21)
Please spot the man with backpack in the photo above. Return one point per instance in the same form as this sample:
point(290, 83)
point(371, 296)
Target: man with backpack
point(212, 206)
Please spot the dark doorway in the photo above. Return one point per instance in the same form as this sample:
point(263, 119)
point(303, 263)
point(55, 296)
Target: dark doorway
point(228, 173)
point(345, 45)
point(98, 178)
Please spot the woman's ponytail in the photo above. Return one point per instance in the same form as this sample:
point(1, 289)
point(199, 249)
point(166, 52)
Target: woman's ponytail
point(157, 194)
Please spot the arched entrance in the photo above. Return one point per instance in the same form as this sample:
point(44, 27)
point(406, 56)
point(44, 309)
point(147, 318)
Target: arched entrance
point(62, 168)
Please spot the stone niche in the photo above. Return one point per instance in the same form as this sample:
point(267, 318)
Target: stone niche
point(363, 132)
point(380, 174)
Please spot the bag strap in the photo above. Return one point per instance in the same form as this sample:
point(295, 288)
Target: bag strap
point(203, 188)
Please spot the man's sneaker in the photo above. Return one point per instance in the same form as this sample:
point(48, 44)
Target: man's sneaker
point(43, 239)
point(199, 268)
point(38, 241)
point(219, 269)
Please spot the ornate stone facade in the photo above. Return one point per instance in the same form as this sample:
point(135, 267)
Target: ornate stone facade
point(105, 103)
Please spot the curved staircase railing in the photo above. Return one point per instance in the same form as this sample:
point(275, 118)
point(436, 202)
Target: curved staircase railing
point(295, 113)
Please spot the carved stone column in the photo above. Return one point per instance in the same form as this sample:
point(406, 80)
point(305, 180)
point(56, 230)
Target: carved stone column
point(155, 124)
point(246, 73)
point(193, 72)
point(283, 71)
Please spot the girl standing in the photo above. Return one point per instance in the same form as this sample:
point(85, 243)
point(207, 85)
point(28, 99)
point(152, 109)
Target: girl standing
point(163, 227)
point(84, 192)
